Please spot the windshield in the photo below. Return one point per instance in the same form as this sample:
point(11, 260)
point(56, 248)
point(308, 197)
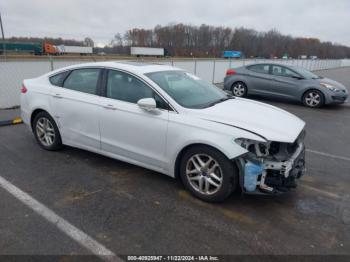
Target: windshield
point(187, 89)
point(305, 73)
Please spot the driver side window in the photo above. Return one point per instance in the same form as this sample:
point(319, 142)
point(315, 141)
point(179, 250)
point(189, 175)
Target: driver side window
point(125, 87)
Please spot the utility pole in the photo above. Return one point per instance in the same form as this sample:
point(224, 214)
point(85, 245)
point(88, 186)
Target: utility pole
point(3, 38)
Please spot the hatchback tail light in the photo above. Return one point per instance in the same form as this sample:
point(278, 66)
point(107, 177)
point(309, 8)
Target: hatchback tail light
point(24, 89)
point(230, 72)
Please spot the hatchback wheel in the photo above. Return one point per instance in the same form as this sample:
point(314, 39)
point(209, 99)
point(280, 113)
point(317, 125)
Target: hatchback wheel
point(208, 174)
point(313, 98)
point(239, 89)
point(46, 132)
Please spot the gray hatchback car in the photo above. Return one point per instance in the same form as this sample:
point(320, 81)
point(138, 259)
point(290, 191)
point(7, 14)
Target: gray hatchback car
point(281, 81)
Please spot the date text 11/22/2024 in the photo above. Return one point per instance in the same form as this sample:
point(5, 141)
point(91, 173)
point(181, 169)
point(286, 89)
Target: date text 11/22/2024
point(173, 258)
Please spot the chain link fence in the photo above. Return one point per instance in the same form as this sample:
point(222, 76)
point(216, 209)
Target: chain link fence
point(13, 72)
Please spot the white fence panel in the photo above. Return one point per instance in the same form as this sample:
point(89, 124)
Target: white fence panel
point(236, 63)
point(221, 67)
point(345, 62)
point(12, 73)
point(205, 70)
point(189, 66)
point(60, 64)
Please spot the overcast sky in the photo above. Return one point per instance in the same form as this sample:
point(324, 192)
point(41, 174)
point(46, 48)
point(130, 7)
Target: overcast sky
point(328, 20)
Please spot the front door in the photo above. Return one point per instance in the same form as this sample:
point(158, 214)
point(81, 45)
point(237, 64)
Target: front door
point(285, 81)
point(127, 131)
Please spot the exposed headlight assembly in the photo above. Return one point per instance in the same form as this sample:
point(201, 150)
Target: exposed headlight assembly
point(329, 86)
point(258, 148)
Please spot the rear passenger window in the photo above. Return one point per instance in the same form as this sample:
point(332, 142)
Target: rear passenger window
point(56, 80)
point(83, 80)
point(282, 71)
point(263, 69)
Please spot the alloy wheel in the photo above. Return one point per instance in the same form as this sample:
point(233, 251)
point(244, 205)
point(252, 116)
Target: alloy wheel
point(238, 89)
point(45, 131)
point(204, 174)
point(313, 99)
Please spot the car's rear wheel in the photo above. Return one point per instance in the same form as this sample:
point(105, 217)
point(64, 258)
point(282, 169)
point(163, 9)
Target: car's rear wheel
point(239, 89)
point(313, 98)
point(46, 132)
point(208, 174)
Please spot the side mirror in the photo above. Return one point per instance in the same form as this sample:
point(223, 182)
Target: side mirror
point(147, 104)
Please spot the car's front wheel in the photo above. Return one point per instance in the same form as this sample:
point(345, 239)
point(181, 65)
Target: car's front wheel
point(208, 174)
point(46, 132)
point(239, 89)
point(313, 98)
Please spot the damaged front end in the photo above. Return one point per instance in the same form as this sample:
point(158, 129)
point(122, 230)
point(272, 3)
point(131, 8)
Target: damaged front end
point(271, 167)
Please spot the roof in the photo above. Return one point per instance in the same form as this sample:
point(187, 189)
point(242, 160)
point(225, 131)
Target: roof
point(131, 66)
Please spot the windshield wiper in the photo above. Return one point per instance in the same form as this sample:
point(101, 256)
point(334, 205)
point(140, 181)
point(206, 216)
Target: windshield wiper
point(221, 100)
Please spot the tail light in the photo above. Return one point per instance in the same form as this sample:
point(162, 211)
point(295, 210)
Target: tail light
point(230, 72)
point(24, 89)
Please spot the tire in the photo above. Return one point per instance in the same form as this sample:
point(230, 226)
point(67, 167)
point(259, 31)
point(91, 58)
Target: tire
point(199, 182)
point(313, 99)
point(239, 89)
point(46, 132)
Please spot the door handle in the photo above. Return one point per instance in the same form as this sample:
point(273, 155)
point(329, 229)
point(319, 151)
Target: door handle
point(57, 96)
point(111, 107)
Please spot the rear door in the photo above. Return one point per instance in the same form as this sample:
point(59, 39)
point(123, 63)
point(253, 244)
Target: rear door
point(285, 81)
point(75, 105)
point(259, 79)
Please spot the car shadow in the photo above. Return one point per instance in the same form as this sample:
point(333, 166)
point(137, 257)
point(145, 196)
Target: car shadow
point(164, 185)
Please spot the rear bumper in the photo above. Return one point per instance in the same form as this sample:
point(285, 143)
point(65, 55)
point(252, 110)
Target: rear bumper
point(229, 80)
point(25, 117)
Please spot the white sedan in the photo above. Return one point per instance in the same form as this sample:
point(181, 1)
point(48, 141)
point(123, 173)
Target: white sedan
point(165, 119)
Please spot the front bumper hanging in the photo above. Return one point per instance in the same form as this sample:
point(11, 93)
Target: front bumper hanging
point(277, 176)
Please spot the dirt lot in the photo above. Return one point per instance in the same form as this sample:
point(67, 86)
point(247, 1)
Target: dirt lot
point(131, 210)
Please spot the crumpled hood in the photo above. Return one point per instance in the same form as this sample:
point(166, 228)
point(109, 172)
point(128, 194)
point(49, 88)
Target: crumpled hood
point(270, 122)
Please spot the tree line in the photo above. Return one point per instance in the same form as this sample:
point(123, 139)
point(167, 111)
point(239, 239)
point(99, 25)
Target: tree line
point(54, 41)
point(211, 41)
